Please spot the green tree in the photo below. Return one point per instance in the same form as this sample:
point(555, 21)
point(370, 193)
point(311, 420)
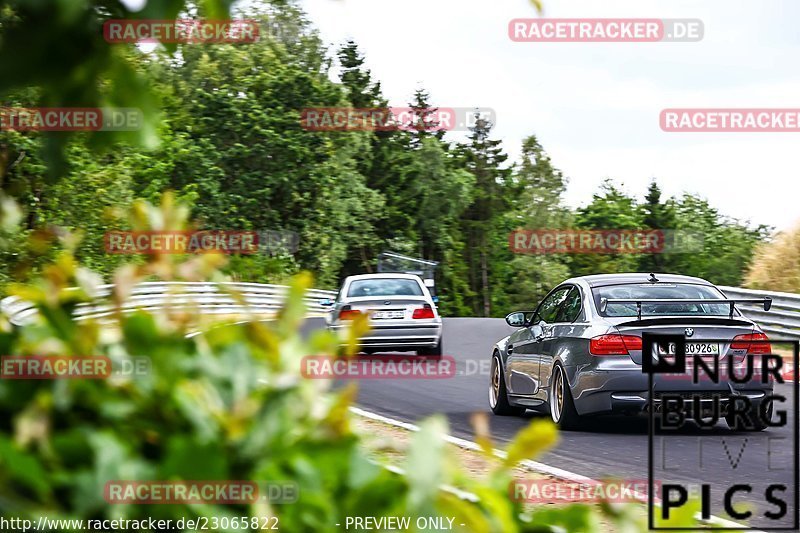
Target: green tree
point(361, 90)
point(384, 165)
point(234, 147)
point(610, 209)
point(719, 248)
point(481, 221)
point(426, 123)
point(657, 215)
point(442, 192)
point(538, 204)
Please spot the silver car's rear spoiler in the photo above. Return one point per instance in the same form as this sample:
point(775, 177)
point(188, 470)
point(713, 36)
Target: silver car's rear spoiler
point(766, 302)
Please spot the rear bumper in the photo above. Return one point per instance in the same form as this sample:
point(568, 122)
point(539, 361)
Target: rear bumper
point(633, 403)
point(626, 389)
point(409, 336)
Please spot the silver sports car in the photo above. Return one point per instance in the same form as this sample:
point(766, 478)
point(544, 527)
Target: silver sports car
point(402, 313)
point(580, 351)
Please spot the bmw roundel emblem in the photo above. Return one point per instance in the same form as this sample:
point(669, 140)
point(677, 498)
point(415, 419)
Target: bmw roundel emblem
point(689, 332)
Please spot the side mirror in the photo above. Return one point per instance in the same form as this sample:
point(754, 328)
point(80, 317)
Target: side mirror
point(603, 304)
point(326, 302)
point(435, 299)
point(516, 319)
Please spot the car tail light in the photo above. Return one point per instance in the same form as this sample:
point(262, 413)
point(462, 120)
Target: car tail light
point(423, 312)
point(744, 342)
point(614, 344)
point(348, 314)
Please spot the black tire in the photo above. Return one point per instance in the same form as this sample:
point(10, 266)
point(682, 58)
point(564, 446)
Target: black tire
point(498, 397)
point(736, 423)
point(562, 406)
point(436, 351)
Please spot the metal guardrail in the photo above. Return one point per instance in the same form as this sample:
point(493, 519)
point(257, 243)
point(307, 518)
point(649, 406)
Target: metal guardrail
point(211, 298)
point(782, 321)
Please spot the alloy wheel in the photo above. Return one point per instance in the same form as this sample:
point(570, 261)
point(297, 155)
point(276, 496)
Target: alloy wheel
point(557, 394)
point(494, 386)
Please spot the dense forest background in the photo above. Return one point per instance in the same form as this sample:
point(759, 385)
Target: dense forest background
point(228, 140)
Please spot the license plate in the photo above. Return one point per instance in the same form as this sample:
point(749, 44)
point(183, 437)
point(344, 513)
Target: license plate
point(692, 348)
point(388, 314)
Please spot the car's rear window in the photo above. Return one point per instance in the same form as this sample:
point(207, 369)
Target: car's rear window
point(384, 287)
point(661, 291)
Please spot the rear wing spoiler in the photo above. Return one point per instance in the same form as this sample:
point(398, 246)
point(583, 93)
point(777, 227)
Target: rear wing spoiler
point(766, 302)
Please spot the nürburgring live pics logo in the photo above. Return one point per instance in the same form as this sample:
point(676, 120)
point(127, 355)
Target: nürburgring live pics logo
point(748, 388)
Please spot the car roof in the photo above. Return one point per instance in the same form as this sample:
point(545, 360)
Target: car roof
point(395, 275)
point(600, 280)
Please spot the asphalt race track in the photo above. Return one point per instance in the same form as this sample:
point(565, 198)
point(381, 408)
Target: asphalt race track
point(606, 447)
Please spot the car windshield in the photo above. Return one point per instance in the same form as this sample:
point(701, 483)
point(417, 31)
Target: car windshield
point(384, 287)
point(661, 291)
